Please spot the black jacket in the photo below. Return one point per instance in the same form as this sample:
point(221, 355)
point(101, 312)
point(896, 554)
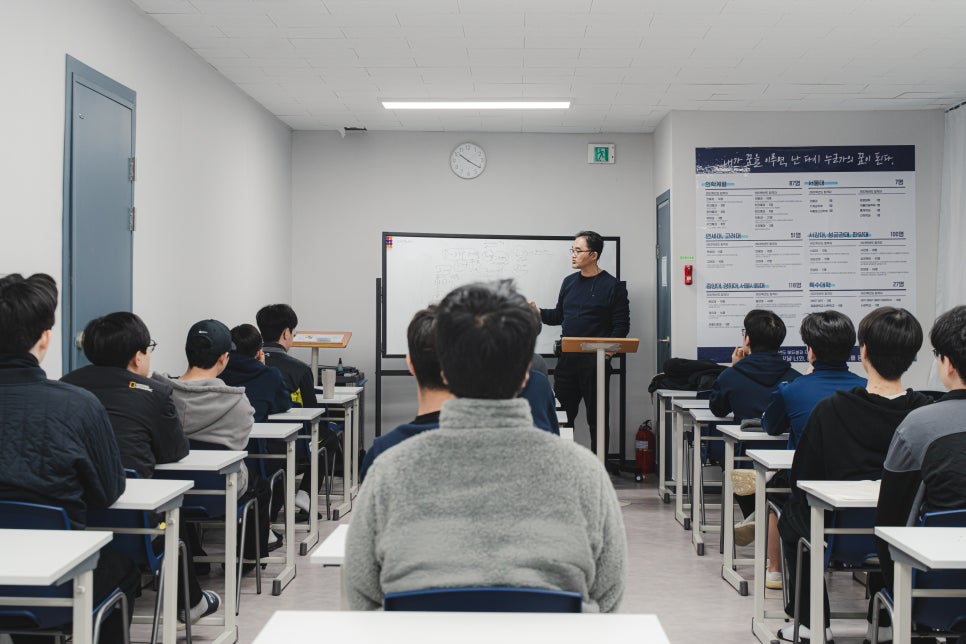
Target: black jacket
point(263, 385)
point(297, 375)
point(745, 388)
point(56, 443)
point(146, 424)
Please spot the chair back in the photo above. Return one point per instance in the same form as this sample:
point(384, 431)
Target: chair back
point(34, 516)
point(853, 550)
point(489, 599)
point(946, 614)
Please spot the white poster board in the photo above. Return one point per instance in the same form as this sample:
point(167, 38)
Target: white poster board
point(796, 230)
point(419, 269)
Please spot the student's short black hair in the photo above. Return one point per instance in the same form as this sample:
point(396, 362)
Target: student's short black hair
point(421, 338)
point(948, 337)
point(485, 334)
point(27, 307)
point(275, 318)
point(830, 335)
point(765, 330)
point(892, 337)
point(594, 241)
point(114, 339)
point(247, 339)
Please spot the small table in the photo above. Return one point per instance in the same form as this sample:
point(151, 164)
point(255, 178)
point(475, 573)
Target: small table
point(764, 460)
point(331, 552)
point(158, 495)
point(699, 418)
point(404, 627)
point(52, 557)
point(226, 463)
point(822, 496)
point(287, 432)
point(350, 447)
point(679, 409)
point(311, 415)
point(316, 340)
point(925, 549)
point(664, 397)
point(732, 435)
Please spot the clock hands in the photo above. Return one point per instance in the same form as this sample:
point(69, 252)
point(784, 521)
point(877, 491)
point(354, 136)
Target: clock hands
point(467, 160)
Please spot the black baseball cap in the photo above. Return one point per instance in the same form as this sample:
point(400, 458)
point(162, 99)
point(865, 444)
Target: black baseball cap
point(211, 336)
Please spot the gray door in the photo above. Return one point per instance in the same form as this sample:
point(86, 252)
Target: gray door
point(663, 351)
point(98, 203)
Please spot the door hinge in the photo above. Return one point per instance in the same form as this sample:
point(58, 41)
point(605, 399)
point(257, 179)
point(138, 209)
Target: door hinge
point(657, 251)
point(132, 222)
point(132, 169)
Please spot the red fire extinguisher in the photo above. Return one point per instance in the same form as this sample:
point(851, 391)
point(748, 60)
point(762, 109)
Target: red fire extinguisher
point(644, 448)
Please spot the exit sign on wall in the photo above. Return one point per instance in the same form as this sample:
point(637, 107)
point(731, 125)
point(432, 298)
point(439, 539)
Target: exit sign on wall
point(601, 153)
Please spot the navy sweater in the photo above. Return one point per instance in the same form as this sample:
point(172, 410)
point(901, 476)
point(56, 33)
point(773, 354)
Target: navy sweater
point(591, 307)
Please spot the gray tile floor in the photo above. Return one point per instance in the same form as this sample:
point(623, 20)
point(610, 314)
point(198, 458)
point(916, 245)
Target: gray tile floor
point(665, 577)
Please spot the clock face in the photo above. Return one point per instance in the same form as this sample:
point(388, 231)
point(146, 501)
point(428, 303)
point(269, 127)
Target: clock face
point(467, 161)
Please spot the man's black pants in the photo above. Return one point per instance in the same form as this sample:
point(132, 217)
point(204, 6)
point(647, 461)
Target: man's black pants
point(575, 378)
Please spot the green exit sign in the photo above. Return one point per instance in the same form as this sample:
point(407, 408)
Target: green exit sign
point(601, 153)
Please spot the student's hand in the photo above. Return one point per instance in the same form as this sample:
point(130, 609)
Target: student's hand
point(737, 355)
point(535, 307)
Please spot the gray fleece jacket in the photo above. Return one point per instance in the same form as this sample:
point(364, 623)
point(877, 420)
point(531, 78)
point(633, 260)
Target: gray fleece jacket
point(486, 499)
point(213, 412)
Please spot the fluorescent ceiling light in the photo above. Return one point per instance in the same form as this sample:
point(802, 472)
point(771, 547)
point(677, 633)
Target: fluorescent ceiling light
point(476, 105)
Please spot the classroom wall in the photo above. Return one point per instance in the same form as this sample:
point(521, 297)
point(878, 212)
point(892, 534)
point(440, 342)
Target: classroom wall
point(347, 191)
point(213, 194)
point(686, 131)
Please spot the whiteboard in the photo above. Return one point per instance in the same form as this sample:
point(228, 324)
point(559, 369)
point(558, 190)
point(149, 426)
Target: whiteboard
point(419, 269)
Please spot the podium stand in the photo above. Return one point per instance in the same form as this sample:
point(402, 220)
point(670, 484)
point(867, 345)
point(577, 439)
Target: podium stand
point(316, 340)
point(600, 346)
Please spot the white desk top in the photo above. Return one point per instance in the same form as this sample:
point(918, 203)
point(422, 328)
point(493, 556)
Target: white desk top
point(280, 431)
point(705, 416)
point(331, 552)
point(150, 494)
point(930, 548)
point(402, 627)
point(566, 432)
point(352, 391)
point(561, 416)
point(691, 403)
point(336, 399)
point(675, 393)
point(735, 432)
point(298, 414)
point(842, 494)
point(46, 557)
point(205, 460)
point(772, 459)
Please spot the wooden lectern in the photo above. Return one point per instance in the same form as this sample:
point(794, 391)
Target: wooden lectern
point(601, 346)
point(320, 340)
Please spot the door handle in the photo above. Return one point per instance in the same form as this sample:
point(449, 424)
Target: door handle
point(666, 340)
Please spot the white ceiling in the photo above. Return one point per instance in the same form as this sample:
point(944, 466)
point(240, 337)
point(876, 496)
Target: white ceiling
point(325, 64)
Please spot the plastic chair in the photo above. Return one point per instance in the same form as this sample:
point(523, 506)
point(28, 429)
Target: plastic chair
point(940, 615)
point(41, 619)
point(140, 548)
point(852, 552)
point(486, 599)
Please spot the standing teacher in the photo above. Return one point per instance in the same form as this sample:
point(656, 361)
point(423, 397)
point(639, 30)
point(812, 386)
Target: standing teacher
point(592, 303)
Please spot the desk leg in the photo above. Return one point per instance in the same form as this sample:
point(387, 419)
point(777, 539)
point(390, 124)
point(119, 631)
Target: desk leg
point(760, 550)
point(288, 572)
point(169, 602)
point(231, 555)
point(816, 572)
point(679, 471)
point(343, 508)
point(315, 367)
point(661, 450)
point(902, 618)
point(601, 406)
point(728, 572)
point(354, 460)
point(83, 629)
point(697, 491)
point(312, 537)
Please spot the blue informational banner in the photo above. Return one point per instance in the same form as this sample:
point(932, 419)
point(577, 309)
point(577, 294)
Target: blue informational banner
point(801, 229)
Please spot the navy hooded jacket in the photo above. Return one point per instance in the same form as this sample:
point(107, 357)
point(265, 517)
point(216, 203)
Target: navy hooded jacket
point(263, 385)
point(745, 388)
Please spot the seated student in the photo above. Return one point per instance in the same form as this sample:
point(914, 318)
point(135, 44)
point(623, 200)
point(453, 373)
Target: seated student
point(431, 392)
point(756, 369)
point(929, 447)
point(539, 394)
point(485, 500)
point(848, 434)
point(56, 443)
point(145, 422)
point(246, 368)
point(829, 337)
point(277, 324)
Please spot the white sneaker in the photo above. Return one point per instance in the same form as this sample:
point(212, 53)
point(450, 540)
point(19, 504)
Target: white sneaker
point(885, 634)
point(302, 500)
point(786, 633)
point(773, 579)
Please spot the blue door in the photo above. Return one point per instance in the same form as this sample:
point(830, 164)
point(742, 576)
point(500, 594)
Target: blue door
point(98, 203)
point(663, 254)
